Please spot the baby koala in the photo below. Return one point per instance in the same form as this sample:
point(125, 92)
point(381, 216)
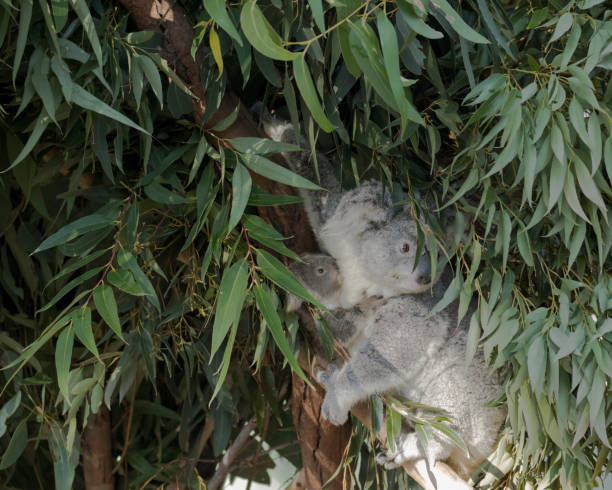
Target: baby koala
point(396, 348)
point(374, 247)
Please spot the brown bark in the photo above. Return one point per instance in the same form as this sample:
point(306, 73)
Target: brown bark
point(322, 444)
point(96, 452)
point(319, 439)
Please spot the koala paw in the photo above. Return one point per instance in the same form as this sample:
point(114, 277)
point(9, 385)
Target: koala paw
point(386, 460)
point(332, 411)
point(324, 376)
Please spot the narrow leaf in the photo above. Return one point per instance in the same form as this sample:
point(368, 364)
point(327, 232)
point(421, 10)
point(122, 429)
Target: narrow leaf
point(230, 298)
point(266, 306)
point(309, 94)
point(261, 34)
point(81, 322)
point(104, 299)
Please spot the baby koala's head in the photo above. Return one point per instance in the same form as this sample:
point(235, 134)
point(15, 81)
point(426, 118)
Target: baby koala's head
point(319, 273)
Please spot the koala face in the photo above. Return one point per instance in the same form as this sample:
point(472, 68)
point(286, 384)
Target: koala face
point(390, 261)
point(321, 276)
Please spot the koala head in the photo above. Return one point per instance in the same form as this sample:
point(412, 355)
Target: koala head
point(320, 274)
point(390, 261)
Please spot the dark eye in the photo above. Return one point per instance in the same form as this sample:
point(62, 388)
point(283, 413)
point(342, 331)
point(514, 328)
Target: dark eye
point(320, 271)
point(405, 248)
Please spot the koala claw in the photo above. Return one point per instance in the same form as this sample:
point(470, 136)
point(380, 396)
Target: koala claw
point(332, 411)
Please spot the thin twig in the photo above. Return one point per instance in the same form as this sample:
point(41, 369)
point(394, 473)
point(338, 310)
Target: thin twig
point(232, 453)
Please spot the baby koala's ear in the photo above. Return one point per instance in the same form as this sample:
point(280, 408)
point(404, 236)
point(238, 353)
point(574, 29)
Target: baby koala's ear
point(292, 302)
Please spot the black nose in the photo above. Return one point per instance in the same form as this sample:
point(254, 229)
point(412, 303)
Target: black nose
point(424, 278)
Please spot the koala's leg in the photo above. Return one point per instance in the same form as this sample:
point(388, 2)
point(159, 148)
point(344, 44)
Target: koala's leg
point(367, 372)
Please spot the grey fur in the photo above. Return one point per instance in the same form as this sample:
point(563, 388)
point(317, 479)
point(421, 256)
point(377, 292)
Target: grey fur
point(396, 348)
point(375, 250)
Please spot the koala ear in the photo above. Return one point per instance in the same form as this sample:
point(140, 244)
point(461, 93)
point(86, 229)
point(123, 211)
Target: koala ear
point(293, 303)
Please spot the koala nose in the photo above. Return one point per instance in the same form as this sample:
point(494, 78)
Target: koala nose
point(424, 278)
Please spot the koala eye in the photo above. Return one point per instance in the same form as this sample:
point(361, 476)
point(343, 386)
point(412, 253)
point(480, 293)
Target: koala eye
point(320, 271)
point(405, 248)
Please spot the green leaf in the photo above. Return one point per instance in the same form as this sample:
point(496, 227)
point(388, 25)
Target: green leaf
point(493, 27)
point(25, 16)
point(576, 115)
point(416, 23)
point(241, 190)
point(557, 180)
point(347, 54)
point(537, 18)
point(81, 322)
point(227, 355)
point(163, 66)
point(217, 10)
point(588, 186)
point(60, 13)
point(563, 25)
point(274, 270)
point(569, 190)
point(230, 298)
point(152, 74)
point(309, 94)
point(127, 260)
point(159, 193)
point(316, 7)
point(93, 222)
point(261, 198)
point(16, 445)
point(81, 9)
point(197, 159)
point(524, 246)
point(458, 24)
point(262, 166)
point(536, 363)
point(104, 299)
point(451, 434)
point(608, 156)
point(557, 144)
point(576, 243)
point(261, 34)
point(366, 51)
point(40, 81)
point(39, 128)
point(63, 356)
point(8, 409)
point(595, 142)
point(71, 285)
point(86, 100)
point(227, 121)
point(264, 233)
point(261, 146)
point(215, 49)
point(390, 49)
point(124, 280)
point(266, 306)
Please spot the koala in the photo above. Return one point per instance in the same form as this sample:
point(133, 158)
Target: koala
point(374, 248)
point(321, 276)
point(395, 347)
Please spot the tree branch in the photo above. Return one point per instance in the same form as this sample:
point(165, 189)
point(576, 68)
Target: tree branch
point(96, 452)
point(230, 455)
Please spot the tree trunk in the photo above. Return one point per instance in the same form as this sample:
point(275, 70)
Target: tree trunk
point(96, 452)
point(322, 444)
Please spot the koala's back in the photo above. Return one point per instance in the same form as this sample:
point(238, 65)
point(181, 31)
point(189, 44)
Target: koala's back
point(427, 357)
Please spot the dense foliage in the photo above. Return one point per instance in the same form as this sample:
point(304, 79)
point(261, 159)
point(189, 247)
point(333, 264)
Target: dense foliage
point(136, 274)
